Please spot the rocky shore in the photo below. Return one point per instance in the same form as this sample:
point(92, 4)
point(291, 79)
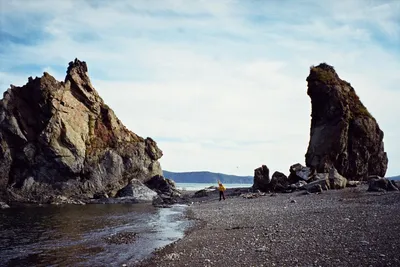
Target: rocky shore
point(348, 227)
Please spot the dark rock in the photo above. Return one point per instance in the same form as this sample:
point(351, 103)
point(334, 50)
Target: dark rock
point(261, 179)
point(160, 184)
point(343, 133)
point(61, 139)
point(100, 195)
point(201, 193)
point(382, 184)
point(317, 186)
point(165, 188)
point(138, 191)
point(279, 182)
point(299, 173)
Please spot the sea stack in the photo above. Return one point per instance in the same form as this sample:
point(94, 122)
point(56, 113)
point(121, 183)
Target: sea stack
point(61, 139)
point(343, 132)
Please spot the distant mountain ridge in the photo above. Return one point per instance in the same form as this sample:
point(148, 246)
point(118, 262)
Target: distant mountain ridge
point(207, 177)
point(395, 177)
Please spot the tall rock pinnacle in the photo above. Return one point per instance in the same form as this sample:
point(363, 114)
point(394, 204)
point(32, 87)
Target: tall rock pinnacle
point(343, 133)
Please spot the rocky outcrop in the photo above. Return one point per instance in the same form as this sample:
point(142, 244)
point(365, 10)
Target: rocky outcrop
point(261, 179)
point(343, 133)
point(61, 139)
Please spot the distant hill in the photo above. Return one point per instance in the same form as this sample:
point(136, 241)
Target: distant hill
point(207, 177)
point(395, 178)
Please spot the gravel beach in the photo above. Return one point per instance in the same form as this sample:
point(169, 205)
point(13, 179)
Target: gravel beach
point(349, 227)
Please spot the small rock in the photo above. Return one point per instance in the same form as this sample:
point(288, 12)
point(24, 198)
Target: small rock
point(4, 205)
point(293, 201)
point(172, 256)
point(261, 249)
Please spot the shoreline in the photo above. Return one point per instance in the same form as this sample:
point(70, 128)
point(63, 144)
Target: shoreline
point(348, 227)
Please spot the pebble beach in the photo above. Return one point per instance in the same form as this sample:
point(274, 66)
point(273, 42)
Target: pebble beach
point(349, 227)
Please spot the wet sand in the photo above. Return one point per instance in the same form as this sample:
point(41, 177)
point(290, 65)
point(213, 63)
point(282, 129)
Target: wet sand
point(349, 227)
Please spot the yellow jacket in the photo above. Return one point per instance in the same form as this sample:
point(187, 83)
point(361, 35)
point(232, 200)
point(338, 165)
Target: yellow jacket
point(221, 187)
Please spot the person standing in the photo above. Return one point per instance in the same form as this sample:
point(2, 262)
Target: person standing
point(221, 189)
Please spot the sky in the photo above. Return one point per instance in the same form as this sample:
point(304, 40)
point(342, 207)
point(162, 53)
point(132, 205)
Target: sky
point(219, 85)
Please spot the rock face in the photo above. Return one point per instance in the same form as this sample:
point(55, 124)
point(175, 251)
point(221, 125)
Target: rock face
point(59, 138)
point(343, 133)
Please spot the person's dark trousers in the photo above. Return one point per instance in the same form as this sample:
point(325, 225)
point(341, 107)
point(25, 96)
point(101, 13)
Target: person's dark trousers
point(221, 195)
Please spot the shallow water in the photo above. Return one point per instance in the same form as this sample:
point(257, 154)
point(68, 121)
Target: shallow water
point(76, 235)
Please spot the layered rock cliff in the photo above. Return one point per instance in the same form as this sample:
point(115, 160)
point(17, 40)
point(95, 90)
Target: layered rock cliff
point(343, 133)
point(60, 138)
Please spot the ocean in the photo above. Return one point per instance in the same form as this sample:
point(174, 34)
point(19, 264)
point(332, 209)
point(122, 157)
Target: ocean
point(80, 235)
point(199, 186)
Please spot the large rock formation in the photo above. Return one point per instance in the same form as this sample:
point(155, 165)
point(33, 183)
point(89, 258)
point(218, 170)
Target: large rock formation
point(343, 133)
point(59, 138)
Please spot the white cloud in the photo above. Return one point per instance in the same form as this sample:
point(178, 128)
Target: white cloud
point(219, 85)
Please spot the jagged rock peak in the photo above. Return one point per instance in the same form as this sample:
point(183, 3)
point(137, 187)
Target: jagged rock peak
point(343, 133)
point(59, 138)
point(77, 66)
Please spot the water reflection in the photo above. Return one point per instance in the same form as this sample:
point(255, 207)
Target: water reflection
point(75, 235)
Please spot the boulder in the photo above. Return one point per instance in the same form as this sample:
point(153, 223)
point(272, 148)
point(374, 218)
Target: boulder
point(336, 181)
point(165, 188)
point(353, 183)
point(138, 191)
point(204, 192)
point(279, 182)
point(3, 205)
point(298, 186)
point(343, 132)
point(61, 139)
point(381, 185)
point(160, 184)
point(299, 173)
point(261, 179)
point(317, 186)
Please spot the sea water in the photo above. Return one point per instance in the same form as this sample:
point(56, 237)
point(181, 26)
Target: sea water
point(76, 235)
point(199, 186)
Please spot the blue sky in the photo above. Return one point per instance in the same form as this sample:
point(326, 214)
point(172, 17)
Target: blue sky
point(220, 85)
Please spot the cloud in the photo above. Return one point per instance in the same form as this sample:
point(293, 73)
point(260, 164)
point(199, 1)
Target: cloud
point(220, 85)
